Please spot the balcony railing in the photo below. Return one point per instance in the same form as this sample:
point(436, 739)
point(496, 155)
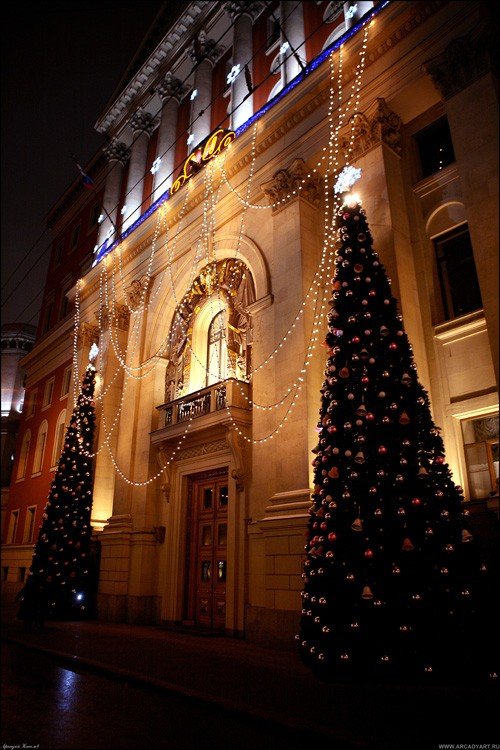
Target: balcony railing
point(206, 401)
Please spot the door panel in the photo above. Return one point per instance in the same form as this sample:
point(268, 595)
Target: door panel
point(208, 564)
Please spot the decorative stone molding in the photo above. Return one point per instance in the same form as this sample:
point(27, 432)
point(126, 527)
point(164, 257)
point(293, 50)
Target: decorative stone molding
point(378, 125)
point(87, 335)
point(286, 181)
point(137, 290)
point(206, 49)
point(116, 151)
point(465, 59)
point(143, 122)
point(171, 87)
point(236, 8)
point(202, 450)
point(120, 317)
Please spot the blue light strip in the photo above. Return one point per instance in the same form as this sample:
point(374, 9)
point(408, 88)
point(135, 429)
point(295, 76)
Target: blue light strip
point(104, 249)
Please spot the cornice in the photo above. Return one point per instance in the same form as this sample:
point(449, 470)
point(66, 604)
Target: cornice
point(180, 31)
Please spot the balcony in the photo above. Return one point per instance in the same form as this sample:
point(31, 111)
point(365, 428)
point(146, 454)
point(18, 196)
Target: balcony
point(208, 409)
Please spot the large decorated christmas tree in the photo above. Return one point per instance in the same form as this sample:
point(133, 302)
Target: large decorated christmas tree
point(61, 565)
point(393, 581)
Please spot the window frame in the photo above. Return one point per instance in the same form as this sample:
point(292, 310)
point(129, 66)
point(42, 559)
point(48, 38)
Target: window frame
point(48, 389)
point(40, 448)
point(448, 289)
point(23, 456)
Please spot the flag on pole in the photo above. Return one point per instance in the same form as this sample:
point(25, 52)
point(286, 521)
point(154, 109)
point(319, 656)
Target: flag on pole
point(86, 179)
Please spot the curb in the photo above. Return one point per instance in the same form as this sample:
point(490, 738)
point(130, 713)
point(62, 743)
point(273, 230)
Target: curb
point(314, 731)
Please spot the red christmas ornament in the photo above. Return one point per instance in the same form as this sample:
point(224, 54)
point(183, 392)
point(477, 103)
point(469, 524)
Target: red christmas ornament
point(355, 339)
point(370, 416)
point(332, 536)
point(439, 460)
point(369, 554)
point(393, 346)
point(382, 450)
point(416, 501)
point(358, 268)
point(365, 379)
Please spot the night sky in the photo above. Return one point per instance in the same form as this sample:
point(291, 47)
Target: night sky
point(61, 62)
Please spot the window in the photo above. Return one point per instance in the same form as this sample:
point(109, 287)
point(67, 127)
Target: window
point(273, 31)
point(40, 447)
point(5, 573)
point(30, 402)
point(65, 382)
point(74, 237)
point(94, 215)
point(58, 253)
point(59, 438)
point(23, 456)
point(47, 316)
point(64, 304)
point(47, 393)
point(217, 349)
point(481, 455)
point(29, 526)
point(457, 273)
point(14, 518)
point(435, 147)
point(22, 574)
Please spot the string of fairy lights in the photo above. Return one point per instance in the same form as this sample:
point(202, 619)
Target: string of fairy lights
point(215, 176)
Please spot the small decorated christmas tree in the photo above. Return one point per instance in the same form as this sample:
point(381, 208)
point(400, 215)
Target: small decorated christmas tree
point(393, 581)
point(61, 558)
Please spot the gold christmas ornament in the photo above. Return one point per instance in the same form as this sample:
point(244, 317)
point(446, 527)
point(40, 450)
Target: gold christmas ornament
point(367, 593)
point(357, 525)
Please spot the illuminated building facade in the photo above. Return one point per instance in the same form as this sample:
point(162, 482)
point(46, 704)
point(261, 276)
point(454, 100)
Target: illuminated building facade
point(211, 276)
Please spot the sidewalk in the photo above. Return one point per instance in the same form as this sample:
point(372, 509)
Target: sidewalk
point(273, 685)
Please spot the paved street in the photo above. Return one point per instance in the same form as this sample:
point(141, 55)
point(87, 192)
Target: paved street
point(49, 706)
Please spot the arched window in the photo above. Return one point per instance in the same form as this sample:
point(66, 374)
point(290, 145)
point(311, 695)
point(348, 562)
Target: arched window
point(40, 447)
point(59, 437)
point(23, 456)
point(217, 349)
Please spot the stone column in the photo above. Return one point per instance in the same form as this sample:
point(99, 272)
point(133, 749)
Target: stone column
point(171, 92)
point(110, 372)
point(242, 15)
point(354, 10)
point(282, 495)
point(142, 126)
point(462, 75)
point(117, 155)
point(376, 148)
point(292, 23)
point(206, 53)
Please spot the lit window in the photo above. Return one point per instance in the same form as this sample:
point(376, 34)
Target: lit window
point(40, 447)
point(481, 455)
point(59, 438)
point(457, 273)
point(29, 526)
point(47, 393)
point(217, 349)
point(435, 147)
point(14, 518)
point(23, 456)
point(65, 382)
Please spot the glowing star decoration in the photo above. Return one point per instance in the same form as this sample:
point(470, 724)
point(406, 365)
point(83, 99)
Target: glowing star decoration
point(352, 11)
point(124, 208)
point(156, 165)
point(284, 47)
point(190, 139)
point(233, 73)
point(94, 351)
point(100, 219)
point(346, 179)
point(194, 94)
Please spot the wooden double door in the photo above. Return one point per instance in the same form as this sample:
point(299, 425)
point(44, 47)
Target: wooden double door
point(207, 550)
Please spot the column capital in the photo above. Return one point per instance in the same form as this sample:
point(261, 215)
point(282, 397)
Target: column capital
point(171, 87)
point(206, 49)
point(378, 124)
point(87, 335)
point(297, 177)
point(236, 8)
point(463, 60)
point(118, 317)
point(137, 290)
point(143, 122)
point(116, 151)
